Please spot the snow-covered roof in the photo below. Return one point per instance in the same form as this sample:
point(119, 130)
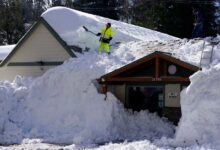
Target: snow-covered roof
point(68, 23)
point(5, 50)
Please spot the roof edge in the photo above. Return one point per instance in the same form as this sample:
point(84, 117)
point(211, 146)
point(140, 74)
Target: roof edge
point(28, 33)
point(147, 58)
point(20, 42)
point(58, 38)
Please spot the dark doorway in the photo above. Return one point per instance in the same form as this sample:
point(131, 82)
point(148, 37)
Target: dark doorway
point(145, 97)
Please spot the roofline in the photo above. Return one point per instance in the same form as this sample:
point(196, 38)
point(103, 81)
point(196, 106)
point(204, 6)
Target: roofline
point(28, 33)
point(37, 63)
point(130, 65)
point(178, 61)
point(147, 58)
point(59, 39)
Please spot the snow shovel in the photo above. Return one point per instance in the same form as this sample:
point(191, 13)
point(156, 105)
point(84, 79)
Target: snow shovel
point(116, 43)
point(87, 30)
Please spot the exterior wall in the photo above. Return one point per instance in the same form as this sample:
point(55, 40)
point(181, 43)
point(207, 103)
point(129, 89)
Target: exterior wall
point(172, 95)
point(41, 45)
point(118, 91)
point(9, 73)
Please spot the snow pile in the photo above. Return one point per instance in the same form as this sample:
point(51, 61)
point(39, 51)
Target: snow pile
point(184, 49)
point(5, 50)
point(191, 50)
point(200, 103)
point(63, 106)
point(7, 104)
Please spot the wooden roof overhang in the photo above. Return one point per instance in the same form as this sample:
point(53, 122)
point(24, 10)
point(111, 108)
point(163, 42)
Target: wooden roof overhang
point(154, 59)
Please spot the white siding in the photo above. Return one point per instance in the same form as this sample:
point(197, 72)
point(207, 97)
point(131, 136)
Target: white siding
point(9, 73)
point(41, 45)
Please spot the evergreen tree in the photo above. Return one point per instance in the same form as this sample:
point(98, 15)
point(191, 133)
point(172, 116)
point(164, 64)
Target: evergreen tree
point(56, 3)
point(11, 22)
point(172, 16)
point(27, 7)
point(68, 3)
point(39, 7)
point(218, 16)
point(105, 8)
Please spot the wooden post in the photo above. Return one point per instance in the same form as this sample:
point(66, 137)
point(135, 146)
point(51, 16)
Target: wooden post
point(165, 68)
point(104, 90)
point(157, 67)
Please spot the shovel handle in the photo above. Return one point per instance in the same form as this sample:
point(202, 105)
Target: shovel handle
point(85, 28)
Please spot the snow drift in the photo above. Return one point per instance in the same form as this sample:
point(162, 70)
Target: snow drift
point(200, 103)
point(63, 106)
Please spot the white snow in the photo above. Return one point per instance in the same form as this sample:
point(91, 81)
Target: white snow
point(200, 102)
point(5, 50)
point(63, 105)
point(68, 23)
point(73, 112)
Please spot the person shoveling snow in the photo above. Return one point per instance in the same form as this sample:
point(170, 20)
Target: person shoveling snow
point(106, 36)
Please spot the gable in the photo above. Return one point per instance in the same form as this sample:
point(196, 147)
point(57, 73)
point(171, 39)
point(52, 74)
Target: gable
point(148, 69)
point(144, 69)
point(40, 44)
point(156, 66)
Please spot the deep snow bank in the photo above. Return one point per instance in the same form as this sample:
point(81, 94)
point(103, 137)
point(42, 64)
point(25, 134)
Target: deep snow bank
point(63, 106)
point(200, 122)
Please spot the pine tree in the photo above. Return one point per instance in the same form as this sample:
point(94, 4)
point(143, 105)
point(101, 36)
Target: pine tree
point(172, 16)
point(39, 7)
point(105, 8)
point(11, 22)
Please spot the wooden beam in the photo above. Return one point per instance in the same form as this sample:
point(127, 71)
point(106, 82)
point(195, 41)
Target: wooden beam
point(148, 79)
point(170, 79)
point(130, 66)
point(157, 67)
point(165, 68)
point(135, 79)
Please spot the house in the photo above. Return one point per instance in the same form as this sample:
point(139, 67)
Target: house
point(40, 49)
point(58, 35)
point(153, 82)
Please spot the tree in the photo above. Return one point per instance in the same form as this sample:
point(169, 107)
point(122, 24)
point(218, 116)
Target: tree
point(16, 15)
point(172, 16)
point(39, 6)
point(218, 16)
point(11, 22)
point(105, 8)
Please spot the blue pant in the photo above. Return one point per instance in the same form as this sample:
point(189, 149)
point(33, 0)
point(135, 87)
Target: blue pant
point(198, 31)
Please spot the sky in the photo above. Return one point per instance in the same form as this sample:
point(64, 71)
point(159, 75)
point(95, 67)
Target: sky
point(33, 113)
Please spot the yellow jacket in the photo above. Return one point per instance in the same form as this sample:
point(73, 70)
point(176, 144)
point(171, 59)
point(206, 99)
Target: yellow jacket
point(107, 33)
